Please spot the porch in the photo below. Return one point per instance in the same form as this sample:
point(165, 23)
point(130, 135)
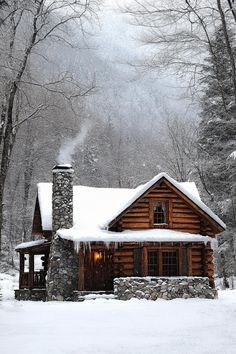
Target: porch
point(34, 257)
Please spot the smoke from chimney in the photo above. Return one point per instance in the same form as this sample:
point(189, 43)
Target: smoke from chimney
point(68, 148)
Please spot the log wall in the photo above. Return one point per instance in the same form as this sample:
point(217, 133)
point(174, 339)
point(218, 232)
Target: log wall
point(37, 224)
point(181, 216)
point(199, 260)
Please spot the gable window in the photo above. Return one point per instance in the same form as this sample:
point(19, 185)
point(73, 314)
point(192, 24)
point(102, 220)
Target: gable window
point(160, 213)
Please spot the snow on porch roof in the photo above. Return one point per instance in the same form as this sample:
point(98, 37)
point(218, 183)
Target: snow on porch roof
point(97, 207)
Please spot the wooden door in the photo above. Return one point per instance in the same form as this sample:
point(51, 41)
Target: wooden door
point(99, 270)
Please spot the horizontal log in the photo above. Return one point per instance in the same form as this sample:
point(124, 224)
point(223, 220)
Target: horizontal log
point(136, 214)
point(123, 253)
point(127, 266)
point(136, 219)
point(139, 210)
point(186, 226)
point(197, 268)
point(162, 190)
point(178, 209)
point(184, 220)
point(123, 259)
point(185, 215)
point(179, 201)
point(196, 259)
point(144, 225)
point(161, 195)
point(141, 204)
point(196, 273)
point(187, 230)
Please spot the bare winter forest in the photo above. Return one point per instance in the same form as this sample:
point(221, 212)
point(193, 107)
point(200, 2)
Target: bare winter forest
point(122, 90)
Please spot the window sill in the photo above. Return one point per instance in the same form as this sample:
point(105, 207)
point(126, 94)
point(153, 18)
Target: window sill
point(160, 226)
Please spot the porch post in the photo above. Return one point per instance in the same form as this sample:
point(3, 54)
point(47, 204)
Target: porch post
point(190, 270)
point(204, 260)
point(81, 269)
point(31, 271)
point(22, 266)
point(144, 262)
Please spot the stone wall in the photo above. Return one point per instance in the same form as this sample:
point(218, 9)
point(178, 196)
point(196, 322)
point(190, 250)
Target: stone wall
point(153, 288)
point(62, 276)
point(30, 294)
point(62, 198)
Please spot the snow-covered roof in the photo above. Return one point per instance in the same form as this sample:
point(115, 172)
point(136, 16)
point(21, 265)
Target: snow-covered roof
point(30, 244)
point(188, 189)
point(88, 235)
point(96, 208)
point(92, 206)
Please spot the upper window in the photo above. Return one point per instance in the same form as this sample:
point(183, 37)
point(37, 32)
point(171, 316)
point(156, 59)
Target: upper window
point(159, 213)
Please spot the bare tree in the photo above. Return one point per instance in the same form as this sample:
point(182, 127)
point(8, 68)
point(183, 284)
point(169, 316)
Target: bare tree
point(179, 34)
point(26, 28)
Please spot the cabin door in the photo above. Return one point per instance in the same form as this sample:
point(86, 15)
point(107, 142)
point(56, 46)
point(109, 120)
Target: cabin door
point(99, 270)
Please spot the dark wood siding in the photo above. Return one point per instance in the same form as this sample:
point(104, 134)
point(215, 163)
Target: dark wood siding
point(37, 222)
point(181, 216)
point(195, 259)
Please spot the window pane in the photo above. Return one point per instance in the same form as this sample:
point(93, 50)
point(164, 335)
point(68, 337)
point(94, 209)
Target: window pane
point(38, 262)
point(169, 263)
point(152, 263)
point(159, 213)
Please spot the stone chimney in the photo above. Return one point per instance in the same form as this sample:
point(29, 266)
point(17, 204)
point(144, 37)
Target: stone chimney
point(62, 197)
point(62, 275)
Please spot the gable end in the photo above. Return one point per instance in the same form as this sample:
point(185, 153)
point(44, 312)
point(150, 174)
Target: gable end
point(182, 213)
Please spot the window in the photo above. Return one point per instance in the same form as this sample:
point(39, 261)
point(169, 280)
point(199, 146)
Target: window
point(163, 263)
point(169, 263)
point(152, 263)
point(159, 213)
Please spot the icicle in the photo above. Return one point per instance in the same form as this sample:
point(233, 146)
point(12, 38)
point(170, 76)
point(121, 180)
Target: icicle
point(77, 246)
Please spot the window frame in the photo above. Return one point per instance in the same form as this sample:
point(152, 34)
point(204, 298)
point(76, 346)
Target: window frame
point(151, 213)
point(159, 264)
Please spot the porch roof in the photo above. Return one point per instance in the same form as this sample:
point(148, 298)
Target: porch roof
point(31, 246)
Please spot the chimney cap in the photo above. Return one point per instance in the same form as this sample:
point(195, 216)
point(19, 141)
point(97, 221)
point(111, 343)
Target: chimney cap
point(62, 167)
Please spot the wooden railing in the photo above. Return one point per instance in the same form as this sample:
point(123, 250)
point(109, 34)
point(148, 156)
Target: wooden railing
point(39, 279)
point(24, 280)
point(36, 280)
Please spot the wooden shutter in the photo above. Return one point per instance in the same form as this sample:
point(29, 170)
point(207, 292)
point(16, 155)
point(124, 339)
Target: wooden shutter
point(184, 260)
point(137, 262)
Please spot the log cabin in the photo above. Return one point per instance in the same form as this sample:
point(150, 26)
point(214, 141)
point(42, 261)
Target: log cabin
point(85, 237)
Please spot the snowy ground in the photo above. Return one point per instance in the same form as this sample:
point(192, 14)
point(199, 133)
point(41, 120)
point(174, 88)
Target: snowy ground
point(112, 327)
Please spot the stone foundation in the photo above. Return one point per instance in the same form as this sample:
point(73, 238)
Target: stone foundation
point(81, 295)
point(153, 288)
point(30, 294)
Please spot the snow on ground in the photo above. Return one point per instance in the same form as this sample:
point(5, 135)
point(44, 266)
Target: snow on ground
point(7, 285)
point(195, 326)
